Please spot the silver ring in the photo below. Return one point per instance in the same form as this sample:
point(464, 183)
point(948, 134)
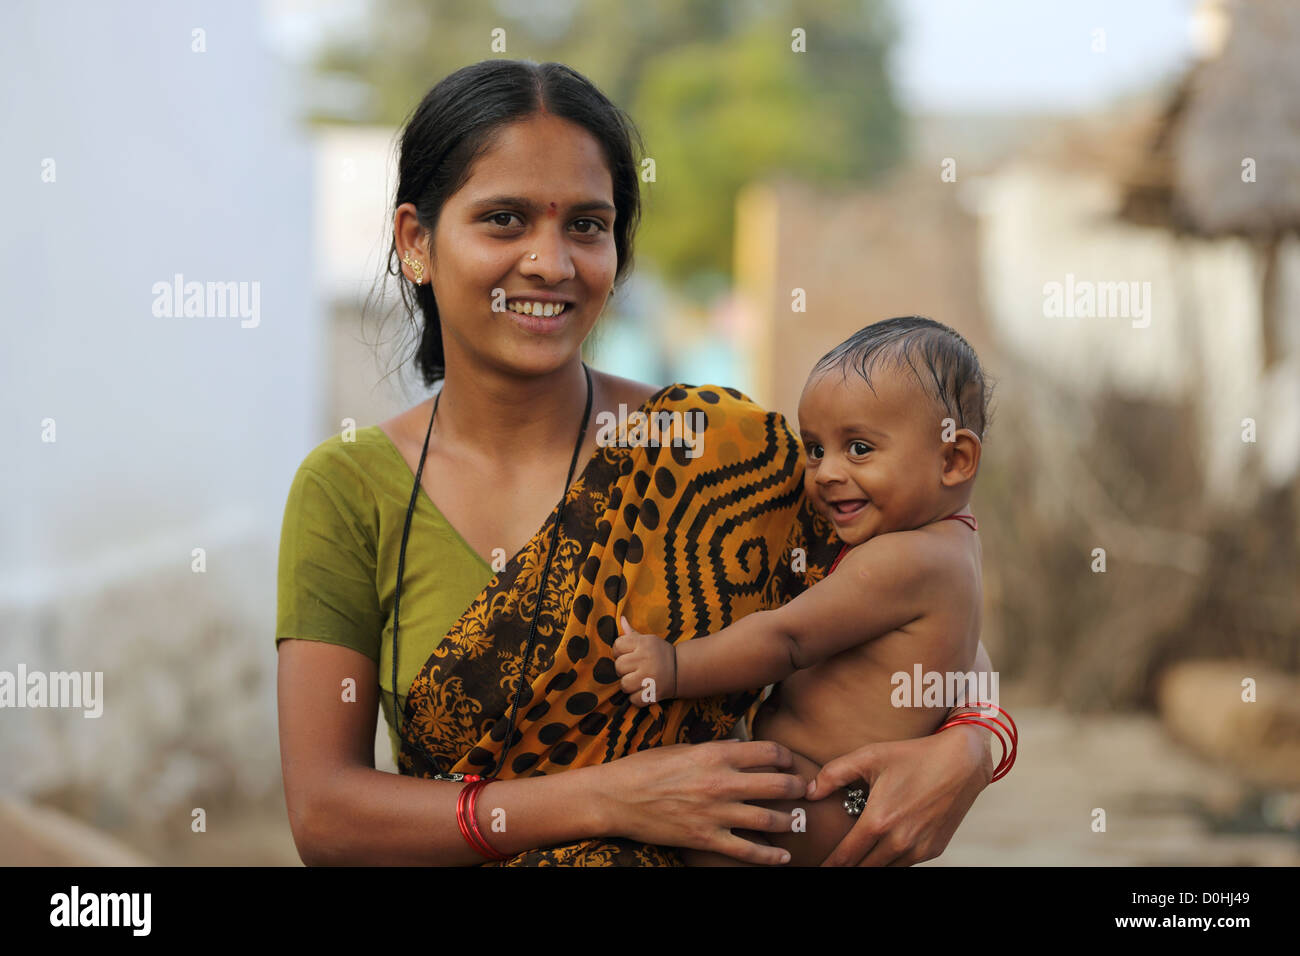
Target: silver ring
point(855, 801)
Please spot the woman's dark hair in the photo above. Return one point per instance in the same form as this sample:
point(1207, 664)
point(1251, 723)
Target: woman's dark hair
point(943, 362)
point(457, 121)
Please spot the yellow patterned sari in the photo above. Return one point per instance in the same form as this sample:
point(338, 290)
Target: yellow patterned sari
point(681, 545)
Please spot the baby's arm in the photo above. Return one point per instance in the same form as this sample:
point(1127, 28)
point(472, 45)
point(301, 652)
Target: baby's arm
point(879, 587)
point(652, 670)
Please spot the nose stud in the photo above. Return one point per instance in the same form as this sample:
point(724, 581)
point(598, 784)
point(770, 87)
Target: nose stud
point(533, 256)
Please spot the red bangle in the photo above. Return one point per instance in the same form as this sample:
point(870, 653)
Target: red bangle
point(460, 818)
point(464, 810)
point(984, 720)
point(978, 717)
point(1008, 759)
point(489, 851)
point(1015, 734)
point(466, 819)
point(1004, 764)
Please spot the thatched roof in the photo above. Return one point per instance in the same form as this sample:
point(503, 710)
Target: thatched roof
point(1243, 104)
point(1147, 173)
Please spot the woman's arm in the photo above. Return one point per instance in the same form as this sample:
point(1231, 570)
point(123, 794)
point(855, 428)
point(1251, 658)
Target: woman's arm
point(343, 811)
point(918, 793)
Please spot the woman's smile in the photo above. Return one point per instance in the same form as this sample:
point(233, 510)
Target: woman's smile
point(537, 316)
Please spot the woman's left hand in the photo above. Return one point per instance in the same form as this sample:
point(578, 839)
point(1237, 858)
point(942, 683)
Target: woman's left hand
point(918, 792)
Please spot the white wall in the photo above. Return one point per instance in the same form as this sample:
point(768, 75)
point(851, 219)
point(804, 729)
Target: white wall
point(172, 433)
point(1202, 334)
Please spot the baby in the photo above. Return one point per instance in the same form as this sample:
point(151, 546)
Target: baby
point(891, 421)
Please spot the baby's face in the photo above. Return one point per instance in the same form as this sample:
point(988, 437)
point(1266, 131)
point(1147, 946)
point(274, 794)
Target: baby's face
point(874, 459)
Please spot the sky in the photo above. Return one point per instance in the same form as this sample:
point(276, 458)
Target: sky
point(1030, 55)
point(953, 55)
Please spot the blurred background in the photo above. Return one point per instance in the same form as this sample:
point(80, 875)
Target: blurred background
point(1103, 197)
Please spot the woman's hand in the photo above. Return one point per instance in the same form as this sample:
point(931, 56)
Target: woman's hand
point(918, 792)
point(692, 795)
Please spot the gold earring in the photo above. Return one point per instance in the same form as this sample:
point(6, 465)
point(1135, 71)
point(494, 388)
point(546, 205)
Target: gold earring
point(415, 266)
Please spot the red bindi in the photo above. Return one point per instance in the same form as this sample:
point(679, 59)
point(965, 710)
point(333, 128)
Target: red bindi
point(551, 211)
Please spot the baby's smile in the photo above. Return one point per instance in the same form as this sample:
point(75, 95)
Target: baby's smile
point(846, 509)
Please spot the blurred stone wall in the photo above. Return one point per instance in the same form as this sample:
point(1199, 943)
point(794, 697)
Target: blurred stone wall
point(906, 246)
point(188, 711)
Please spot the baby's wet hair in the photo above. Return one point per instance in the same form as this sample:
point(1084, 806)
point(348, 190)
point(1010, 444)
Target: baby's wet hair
point(944, 364)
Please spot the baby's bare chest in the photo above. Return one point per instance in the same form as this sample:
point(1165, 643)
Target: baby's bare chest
point(864, 695)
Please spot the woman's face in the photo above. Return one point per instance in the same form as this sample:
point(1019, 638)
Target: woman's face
point(543, 187)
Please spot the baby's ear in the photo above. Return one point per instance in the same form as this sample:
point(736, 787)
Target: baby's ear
point(961, 458)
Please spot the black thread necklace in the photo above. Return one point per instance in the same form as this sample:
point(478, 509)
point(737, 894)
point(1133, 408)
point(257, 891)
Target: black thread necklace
point(541, 590)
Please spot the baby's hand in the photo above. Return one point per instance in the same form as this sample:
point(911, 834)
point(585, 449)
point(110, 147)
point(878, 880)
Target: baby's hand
point(648, 665)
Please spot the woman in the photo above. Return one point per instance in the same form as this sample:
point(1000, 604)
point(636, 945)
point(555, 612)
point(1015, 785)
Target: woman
point(517, 185)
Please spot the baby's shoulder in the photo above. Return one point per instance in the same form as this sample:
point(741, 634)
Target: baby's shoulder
point(921, 554)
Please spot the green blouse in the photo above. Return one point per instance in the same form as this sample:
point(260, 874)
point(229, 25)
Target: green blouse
point(338, 560)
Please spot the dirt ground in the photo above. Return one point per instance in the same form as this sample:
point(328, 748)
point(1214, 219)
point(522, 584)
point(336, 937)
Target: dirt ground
point(1163, 805)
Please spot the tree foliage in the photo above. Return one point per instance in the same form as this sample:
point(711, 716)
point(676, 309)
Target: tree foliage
point(717, 90)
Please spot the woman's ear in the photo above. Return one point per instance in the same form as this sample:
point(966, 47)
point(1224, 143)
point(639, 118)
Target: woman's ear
point(961, 458)
point(411, 237)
